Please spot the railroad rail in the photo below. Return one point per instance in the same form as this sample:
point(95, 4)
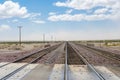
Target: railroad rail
point(27, 56)
point(88, 64)
point(69, 47)
point(107, 54)
point(50, 59)
point(33, 56)
point(66, 63)
point(32, 61)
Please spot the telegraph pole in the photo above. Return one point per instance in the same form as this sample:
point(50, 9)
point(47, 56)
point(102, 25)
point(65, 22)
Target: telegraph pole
point(43, 38)
point(19, 27)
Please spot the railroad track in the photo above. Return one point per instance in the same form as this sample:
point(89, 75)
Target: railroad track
point(32, 58)
point(55, 56)
point(35, 55)
point(66, 63)
point(32, 54)
point(102, 53)
point(72, 56)
point(82, 58)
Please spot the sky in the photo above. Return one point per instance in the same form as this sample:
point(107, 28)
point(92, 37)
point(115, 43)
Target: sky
point(60, 19)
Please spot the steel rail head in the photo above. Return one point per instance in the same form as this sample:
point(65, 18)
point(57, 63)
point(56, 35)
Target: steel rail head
point(4, 65)
point(66, 64)
point(101, 51)
point(12, 73)
point(20, 68)
point(23, 57)
point(31, 53)
point(89, 65)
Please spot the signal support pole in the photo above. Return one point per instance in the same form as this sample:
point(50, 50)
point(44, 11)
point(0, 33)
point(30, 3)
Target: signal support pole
point(43, 38)
point(20, 34)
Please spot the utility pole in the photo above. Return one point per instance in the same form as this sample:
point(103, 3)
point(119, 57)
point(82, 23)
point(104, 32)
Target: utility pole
point(19, 27)
point(43, 38)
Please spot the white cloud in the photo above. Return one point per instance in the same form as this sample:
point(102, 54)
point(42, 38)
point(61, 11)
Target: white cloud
point(34, 15)
point(108, 9)
point(15, 20)
point(69, 11)
point(11, 9)
point(88, 4)
point(38, 21)
point(66, 17)
point(35, 18)
point(79, 17)
point(51, 13)
point(4, 27)
point(101, 11)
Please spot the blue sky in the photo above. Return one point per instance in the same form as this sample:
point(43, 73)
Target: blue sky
point(62, 19)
